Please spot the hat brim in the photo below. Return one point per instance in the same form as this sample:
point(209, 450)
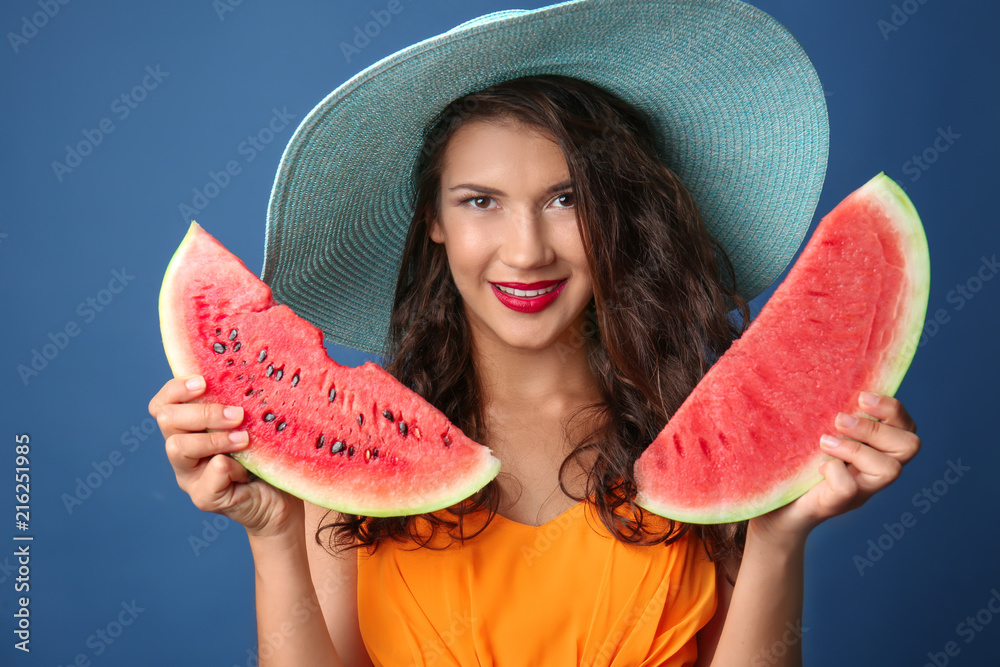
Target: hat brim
point(738, 106)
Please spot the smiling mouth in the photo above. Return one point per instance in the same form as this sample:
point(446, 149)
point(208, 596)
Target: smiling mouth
point(527, 294)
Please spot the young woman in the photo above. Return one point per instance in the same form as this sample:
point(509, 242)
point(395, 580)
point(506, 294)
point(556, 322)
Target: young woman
point(558, 296)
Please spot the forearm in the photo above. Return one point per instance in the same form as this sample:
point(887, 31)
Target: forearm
point(291, 631)
point(764, 622)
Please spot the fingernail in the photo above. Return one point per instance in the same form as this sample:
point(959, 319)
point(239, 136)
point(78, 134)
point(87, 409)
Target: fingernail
point(195, 383)
point(846, 420)
point(829, 441)
point(868, 398)
point(238, 437)
point(233, 414)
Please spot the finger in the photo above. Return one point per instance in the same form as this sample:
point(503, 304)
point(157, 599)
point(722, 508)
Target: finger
point(898, 443)
point(871, 469)
point(177, 390)
point(218, 486)
point(840, 491)
point(186, 451)
point(195, 417)
point(887, 409)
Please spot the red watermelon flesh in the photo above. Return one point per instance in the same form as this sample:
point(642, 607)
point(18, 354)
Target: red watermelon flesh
point(349, 439)
point(846, 319)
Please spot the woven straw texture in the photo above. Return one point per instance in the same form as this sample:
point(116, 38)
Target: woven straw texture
point(738, 105)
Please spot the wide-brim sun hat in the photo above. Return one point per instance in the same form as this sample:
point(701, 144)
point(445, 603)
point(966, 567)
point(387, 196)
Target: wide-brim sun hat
point(737, 106)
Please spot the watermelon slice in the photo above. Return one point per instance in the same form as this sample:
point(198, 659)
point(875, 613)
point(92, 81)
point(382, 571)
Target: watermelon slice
point(349, 439)
point(846, 319)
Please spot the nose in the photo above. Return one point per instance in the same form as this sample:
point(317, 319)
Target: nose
point(526, 243)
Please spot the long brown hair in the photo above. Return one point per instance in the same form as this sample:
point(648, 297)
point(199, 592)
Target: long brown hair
point(659, 318)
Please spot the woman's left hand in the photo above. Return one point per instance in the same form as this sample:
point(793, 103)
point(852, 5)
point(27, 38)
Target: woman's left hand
point(868, 459)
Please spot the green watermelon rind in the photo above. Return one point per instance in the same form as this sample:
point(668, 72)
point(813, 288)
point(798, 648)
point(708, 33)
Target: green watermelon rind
point(287, 480)
point(183, 362)
point(897, 361)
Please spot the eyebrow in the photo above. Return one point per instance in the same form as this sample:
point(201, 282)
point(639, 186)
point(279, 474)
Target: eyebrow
point(565, 185)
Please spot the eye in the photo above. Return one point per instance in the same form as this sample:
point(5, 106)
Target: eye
point(480, 202)
point(566, 200)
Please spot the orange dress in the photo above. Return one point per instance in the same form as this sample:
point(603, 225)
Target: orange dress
point(563, 593)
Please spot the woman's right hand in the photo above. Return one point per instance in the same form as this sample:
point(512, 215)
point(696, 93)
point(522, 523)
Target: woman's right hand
point(217, 482)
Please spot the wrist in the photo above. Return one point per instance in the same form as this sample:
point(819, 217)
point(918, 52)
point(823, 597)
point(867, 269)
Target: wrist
point(762, 535)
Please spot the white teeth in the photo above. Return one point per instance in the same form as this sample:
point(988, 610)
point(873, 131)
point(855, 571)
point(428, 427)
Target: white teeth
point(526, 294)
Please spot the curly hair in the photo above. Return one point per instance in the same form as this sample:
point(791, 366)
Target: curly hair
point(665, 305)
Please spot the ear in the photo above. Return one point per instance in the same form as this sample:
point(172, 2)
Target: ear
point(435, 231)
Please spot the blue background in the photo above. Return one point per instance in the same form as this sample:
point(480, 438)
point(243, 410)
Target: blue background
point(223, 75)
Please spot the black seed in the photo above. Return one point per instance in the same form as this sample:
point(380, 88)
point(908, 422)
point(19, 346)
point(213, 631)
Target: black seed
point(249, 392)
point(387, 414)
point(279, 373)
point(375, 452)
point(333, 393)
point(447, 441)
point(269, 416)
point(337, 447)
point(229, 362)
point(233, 334)
point(262, 356)
point(402, 429)
point(219, 348)
point(361, 420)
point(237, 345)
point(350, 451)
point(218, 332)
point(281, 426)
point(295, 379)
point(320, 441)
point(270, 370)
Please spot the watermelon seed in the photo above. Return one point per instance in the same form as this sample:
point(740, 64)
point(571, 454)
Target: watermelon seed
point(338, 447)
point(447, 441)
point(368, 454)
point(262, 356)
point(281, 426)
point(320, 441)
point(229, 362)
point(269, 416)
point(361, 420)
point(295, 379)
point(219, 348)
point(279, 373)
point(375, 452)
point(260, 391)
point(243, 363)
point(249, 392)
point(333, 393)
point(218, 332)
point(237, 345)
point(387, 414)
point(402, 429)
point(233, 334)
point(270, 370)
point(350, 451)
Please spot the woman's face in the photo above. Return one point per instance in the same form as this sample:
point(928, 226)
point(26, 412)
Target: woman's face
point(507, 217)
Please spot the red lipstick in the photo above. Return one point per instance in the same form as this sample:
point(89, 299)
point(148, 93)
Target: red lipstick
point(532, 304)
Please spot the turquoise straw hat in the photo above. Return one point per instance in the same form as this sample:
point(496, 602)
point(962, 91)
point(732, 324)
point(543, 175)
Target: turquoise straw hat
point(738, 106)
